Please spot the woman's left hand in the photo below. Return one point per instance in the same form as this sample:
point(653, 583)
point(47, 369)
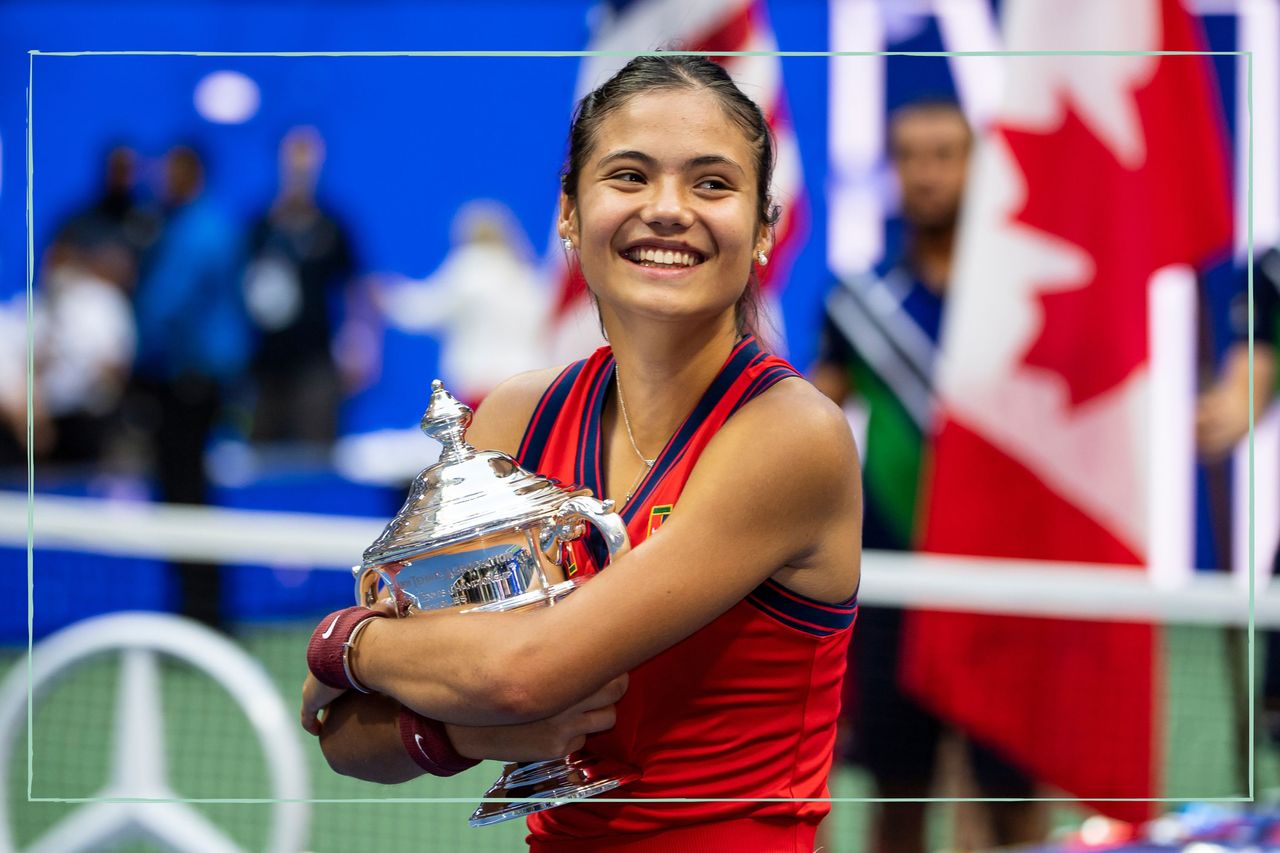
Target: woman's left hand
point(315, 698)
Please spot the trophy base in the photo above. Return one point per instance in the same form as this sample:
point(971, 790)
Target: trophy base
point(547, 784)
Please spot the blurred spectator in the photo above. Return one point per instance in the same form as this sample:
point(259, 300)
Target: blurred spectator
point(1222, 412)
point(82, 326)
point(485, 300)
point(84, 346)
point(13, 388)
point(878, 348)
point(193, 339)
point(85, 334)
point(300, 262)
point(1222, 418)
point(117, 217)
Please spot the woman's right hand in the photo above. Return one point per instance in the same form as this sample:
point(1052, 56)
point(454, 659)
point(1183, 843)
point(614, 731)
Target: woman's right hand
point(553, 737)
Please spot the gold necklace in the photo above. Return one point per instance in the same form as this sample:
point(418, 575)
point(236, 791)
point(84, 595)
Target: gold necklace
point(626, 421)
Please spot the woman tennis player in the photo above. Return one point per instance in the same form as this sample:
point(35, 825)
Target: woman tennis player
point(738, 482)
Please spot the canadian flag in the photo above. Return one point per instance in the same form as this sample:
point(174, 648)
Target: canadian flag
point(1099, 175)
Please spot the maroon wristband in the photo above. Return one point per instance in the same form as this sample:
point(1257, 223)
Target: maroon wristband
point(327, 651)
point(429, 746)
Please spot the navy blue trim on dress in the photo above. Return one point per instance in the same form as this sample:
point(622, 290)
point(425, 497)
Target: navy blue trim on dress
point(543, 421)
point(678, 445)
point(802, 613)
point(587, 466)
point(763, 383)
point(589, 462)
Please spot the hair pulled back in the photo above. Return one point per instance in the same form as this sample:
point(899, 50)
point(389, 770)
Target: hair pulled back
point(667, 71)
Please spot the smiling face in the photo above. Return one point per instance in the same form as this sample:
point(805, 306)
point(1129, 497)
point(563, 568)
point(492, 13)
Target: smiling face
point(665, 218)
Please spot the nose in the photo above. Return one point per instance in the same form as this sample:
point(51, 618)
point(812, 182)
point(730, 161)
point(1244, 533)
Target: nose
point(667, 205)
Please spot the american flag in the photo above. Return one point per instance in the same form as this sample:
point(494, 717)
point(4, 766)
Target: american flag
point(717, 26)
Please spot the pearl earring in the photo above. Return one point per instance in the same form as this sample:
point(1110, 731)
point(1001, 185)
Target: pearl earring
point(568, 244)
point(762, 258)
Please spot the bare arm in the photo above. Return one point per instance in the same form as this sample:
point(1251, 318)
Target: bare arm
point(1222, 413)
point(743, 516)
point(361, 738)
point(361, 735)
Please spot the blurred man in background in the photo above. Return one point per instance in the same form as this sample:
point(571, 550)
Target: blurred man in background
point(1222, 412)
point(301, 261)
point(117, 217)
point(877, 351)
point(1222, 421)
point(193, 338)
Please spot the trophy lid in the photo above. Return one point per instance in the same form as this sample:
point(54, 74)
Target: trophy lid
point(467, 494)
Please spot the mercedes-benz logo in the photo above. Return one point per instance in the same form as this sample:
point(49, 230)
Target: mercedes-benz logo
point(137, 802)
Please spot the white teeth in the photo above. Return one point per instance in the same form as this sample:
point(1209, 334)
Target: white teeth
point(663, 257)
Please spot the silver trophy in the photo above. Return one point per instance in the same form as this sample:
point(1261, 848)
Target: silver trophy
point(478, 530)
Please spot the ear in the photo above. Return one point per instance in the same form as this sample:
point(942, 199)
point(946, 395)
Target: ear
point(567, 221)
point(764, 240)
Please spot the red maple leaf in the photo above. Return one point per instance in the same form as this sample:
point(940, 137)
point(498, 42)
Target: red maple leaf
point(1171, 208)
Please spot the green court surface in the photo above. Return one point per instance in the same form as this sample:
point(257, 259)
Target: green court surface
point(214, 753)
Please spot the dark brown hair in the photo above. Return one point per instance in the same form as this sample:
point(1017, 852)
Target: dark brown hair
point(680, 71)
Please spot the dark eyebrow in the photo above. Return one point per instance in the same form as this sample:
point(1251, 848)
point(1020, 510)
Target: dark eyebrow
point(694, 162)
point(628, 155)
point(713, 160)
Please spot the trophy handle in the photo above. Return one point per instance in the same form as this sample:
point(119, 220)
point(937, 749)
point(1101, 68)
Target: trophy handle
point(367, 578)
point(601, 516)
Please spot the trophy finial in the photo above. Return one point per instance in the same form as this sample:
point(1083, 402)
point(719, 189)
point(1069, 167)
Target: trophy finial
point(446, 420)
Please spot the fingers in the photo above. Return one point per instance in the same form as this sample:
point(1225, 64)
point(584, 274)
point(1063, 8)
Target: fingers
point(309, 715)
point(599, 720)
point(310, 722)
point(315, 698)
point(544, 739)
point(606, 695)
point(569, 729)
point(570, 734)
point(385, 606)
point(310, 719)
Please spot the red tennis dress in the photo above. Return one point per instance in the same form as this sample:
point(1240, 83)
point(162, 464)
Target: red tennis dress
point(745, 708)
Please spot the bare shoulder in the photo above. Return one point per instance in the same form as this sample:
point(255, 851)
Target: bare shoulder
point(792, 442)
point(783, 475)
point(501, 420)
point(796, 424)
